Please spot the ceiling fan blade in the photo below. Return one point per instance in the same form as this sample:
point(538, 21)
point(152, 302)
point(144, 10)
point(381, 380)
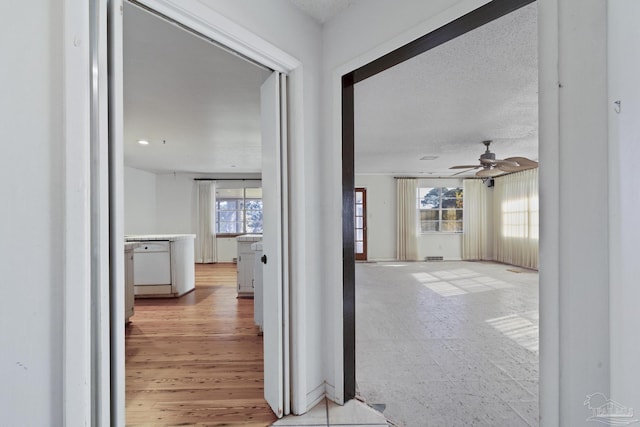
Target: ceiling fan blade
point(467, 170)
point(488, 173)
point(465, 167)
point(506, 162)
point(523, 161)
point(510, 168)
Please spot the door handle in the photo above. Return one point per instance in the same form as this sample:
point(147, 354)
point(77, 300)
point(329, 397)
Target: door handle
point(263, 258)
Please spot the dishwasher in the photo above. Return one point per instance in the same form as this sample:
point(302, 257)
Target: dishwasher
point(152, 268)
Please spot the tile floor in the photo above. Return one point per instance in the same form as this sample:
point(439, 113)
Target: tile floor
point(448, 343)
point(354, 414)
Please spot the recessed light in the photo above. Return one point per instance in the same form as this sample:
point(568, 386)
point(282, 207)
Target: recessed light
point(143, 142)
point(428, 157)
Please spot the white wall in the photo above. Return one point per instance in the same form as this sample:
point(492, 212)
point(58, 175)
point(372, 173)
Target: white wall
point(446, 245)
point(175, 204)
point(381, 215)
point(624, 152)
point(574, 249)
point(140, 213)
point(32, 170)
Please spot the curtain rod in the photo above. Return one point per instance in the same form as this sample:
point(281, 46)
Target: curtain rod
point(434, 177)
point(227, 179)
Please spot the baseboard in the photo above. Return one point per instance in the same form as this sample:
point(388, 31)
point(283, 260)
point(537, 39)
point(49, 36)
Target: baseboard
point(331, 392)
point(316, 395)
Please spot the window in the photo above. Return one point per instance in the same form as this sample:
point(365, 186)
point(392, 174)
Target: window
point(238, 210)
point(440, 209)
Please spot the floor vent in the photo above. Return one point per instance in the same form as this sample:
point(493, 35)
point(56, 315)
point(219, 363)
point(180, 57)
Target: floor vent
point(433, 258)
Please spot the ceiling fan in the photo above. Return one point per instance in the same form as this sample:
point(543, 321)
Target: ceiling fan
point(493, 167)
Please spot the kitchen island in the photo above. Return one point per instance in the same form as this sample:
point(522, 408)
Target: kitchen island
point(163, 264)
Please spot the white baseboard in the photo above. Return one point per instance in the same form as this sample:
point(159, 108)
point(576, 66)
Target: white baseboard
point(316, 395)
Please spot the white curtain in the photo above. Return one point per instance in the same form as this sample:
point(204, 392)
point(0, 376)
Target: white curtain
point(476, 237)
point(205, 250)
point(516, 212)
point(406, 229)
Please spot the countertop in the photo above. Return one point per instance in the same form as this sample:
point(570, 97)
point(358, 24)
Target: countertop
point(156, 237)
point(129, 246)
point(249, 238)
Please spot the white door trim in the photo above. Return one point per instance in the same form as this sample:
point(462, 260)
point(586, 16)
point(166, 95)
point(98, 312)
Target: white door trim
point(206, 21)
point(76, 298)
point(78, 377)
point(116, 206)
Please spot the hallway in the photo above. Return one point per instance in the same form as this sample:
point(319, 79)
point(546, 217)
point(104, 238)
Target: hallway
point(196, 360)
point(448, 343)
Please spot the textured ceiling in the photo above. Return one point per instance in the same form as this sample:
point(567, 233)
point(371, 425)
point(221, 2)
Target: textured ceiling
point(198, 105)
point(482, 85)
point(204, 102)
point(322, 10)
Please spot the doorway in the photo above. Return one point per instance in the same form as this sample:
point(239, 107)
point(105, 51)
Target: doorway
point(272, 139)
point(475, 19)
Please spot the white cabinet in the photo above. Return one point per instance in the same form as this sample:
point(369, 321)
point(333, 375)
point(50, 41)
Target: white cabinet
point(128, 281)
point(246, 257)
point(257, 283)
point(183, 275)
point(163, 265)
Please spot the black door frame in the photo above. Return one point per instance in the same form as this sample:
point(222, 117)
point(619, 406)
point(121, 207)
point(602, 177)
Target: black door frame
point(472, 20)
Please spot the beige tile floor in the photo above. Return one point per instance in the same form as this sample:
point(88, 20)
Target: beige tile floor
point(448, 343)
point(354, 413)
point(441, 344)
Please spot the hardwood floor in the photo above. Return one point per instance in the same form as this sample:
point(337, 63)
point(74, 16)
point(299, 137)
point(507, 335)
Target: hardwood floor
point(196, 360)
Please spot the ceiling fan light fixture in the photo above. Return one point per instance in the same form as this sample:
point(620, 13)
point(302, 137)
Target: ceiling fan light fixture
point(490, 166)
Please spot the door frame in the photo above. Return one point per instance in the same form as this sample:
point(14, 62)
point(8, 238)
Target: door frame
point(207, 23)
point(457, 27)
point(88, 84)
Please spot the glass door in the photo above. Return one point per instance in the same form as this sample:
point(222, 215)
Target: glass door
point(361, 224)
